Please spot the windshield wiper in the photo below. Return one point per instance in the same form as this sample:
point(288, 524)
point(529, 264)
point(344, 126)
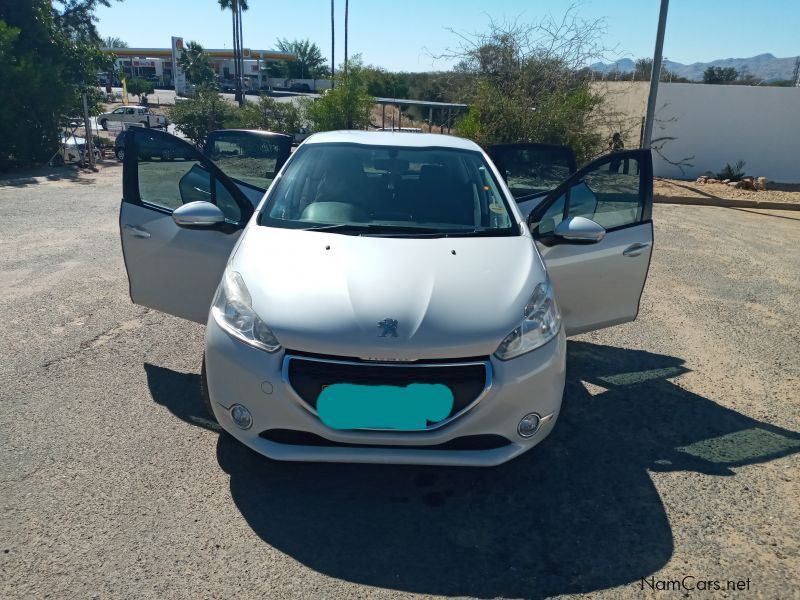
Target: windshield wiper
point(371, 228)
point(406, 231)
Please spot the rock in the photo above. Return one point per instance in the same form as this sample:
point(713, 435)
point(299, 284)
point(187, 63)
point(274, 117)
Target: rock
point(712, 180)
point(726, 181)
point(761, 183)
point(735, 184)
point(747, 183)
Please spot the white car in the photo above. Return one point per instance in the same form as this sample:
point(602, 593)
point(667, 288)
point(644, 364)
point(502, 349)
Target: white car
point(131, 114)
point(390, 298)
point(73, 150)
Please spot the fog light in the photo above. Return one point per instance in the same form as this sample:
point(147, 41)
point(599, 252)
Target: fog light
point(241, 416)
point(529, 425)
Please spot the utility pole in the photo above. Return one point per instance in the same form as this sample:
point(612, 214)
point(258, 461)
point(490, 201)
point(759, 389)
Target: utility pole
point(241, 54)
point(333, 48)
point(655, 75)
point(346, 19)
point(89, 146)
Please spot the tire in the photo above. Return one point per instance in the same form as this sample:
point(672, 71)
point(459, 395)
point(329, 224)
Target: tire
point(204, 391)
point(145, 124)
point(104, 124)
point(120, 154)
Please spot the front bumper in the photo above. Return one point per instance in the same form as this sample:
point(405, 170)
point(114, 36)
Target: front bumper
point(240, 374)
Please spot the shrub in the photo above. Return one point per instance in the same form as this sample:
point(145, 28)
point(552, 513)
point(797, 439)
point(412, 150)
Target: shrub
point(347, 106)
point(267, 114)
point(734, 173)
point(140, 87)
point(206, 112)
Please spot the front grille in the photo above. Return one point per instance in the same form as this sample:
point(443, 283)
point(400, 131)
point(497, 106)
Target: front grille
point(291, 437)
point(308, 377)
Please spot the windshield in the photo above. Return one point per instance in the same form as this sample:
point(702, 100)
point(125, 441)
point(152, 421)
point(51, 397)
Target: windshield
point(374, 190)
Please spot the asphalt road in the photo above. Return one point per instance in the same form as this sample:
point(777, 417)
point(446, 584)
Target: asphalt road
point(676, 453)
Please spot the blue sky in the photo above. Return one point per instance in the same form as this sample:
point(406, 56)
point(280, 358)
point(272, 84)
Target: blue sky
point(403, 35)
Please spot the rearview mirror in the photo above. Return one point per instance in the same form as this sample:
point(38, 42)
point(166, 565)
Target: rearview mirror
point(198, 214)
point(580, 229)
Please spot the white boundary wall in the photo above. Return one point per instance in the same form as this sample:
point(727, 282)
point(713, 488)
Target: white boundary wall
point(721, 124)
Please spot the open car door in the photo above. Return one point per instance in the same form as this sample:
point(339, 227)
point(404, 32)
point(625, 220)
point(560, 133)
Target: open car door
point(595, 235)
point(176, 268)
point(531, 171)
point(251, 158)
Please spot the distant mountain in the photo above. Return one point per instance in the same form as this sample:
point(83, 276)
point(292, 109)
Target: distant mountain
point(764, 66)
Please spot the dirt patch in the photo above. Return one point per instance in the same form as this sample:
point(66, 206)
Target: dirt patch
point(775, 192)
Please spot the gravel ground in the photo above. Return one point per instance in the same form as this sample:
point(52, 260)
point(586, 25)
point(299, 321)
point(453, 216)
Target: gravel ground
point(775, 192)
point(676, 454)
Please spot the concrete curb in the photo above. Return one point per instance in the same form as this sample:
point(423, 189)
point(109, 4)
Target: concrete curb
point(725, 202)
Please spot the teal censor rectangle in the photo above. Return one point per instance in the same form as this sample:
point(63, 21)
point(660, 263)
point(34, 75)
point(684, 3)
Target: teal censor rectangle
point(407, 408)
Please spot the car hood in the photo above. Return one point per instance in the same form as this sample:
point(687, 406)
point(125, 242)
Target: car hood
point(339, 294)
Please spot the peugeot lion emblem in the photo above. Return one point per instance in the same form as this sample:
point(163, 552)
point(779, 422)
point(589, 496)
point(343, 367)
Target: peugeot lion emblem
point(388, 328)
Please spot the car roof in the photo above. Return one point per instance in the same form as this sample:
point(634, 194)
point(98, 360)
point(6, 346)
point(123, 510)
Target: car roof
point(393, 138)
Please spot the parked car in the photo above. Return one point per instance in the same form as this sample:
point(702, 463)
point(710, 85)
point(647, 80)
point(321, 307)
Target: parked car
point(301, 134)
point(73, 150)
point(300, 87)
point(388, 297)
point(119, 142)
point(132, 114)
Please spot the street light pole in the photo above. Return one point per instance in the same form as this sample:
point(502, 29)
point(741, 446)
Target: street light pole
point(655, 75)
point(333, 48)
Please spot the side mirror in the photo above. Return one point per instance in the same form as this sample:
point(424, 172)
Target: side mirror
point(581, 230)
point(198, 214)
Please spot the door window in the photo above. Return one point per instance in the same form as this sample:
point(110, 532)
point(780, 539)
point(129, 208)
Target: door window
point(609, 195)
point(171, 174)
point(552, 216)
point(128, 111)
point(532, 169)
point(249, 157)
point(614, 191)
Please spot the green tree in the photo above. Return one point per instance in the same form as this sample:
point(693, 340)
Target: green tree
point(140, 87)
point(382, 84)
point(523, 85)
point(347, 106)
point(643, 69)
point(236, 7)
point(309, 61)
point(196, 65)
point(720, 75)
point(114, 42)
point(49, 55)
point(206, 112)
point(267, 114)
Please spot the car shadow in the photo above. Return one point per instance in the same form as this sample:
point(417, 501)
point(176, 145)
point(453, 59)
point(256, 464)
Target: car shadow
point(576, 514)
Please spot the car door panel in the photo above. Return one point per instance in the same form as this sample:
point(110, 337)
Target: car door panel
point(170, 268)
point(600, 284)
point(597, 285)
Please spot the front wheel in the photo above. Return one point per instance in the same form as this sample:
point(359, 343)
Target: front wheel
point(104, 124)
point(120, 154)
point(145, 124)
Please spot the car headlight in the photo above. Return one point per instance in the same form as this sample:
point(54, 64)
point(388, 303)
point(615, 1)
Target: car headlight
point(233, 311)
point(540, 324)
